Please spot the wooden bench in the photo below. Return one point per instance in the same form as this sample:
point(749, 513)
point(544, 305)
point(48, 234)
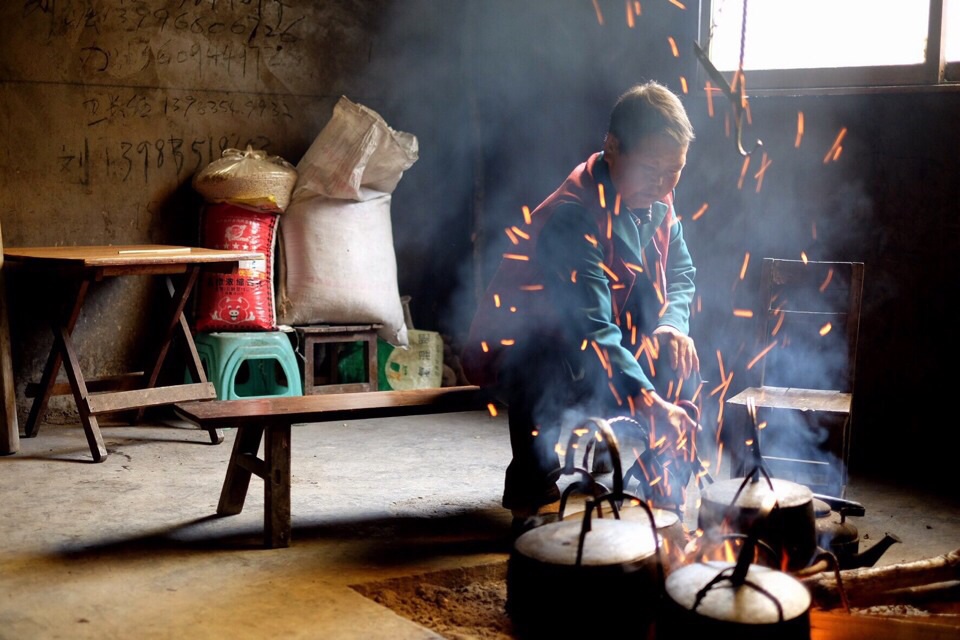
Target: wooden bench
point(276, 415)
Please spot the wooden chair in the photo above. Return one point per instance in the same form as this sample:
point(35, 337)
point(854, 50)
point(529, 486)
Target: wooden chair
point(796, 415)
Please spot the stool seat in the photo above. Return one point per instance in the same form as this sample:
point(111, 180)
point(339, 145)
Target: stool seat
point(249, 364)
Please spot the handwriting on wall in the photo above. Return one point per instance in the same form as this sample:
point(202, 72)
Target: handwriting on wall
point(136, 96)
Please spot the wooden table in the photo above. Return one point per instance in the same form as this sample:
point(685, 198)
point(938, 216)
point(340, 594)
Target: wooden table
point(87, 265)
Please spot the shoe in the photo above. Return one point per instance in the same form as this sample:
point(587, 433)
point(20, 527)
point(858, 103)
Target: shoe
point(527, 504)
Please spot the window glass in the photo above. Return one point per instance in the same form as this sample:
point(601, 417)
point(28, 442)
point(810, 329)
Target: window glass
point(820, 34)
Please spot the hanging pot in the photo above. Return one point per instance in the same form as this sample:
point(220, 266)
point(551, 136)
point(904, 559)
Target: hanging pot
point(707, 600)
point(780, 512)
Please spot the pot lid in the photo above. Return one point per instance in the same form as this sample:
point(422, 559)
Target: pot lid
point(820, 508)
point(739, 604)
point(757, 495)
point(662, 518)
point(609, 542)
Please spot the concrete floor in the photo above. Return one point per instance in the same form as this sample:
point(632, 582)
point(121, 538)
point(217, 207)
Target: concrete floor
point(132, 548)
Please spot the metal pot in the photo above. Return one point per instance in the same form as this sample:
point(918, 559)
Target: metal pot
point(839, 536)
point(710, 600)
point(780, 513)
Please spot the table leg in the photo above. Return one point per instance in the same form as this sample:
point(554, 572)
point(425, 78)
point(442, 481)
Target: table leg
point(9, 427)
point(276, 488)
point(91, 428)
point(52, 367)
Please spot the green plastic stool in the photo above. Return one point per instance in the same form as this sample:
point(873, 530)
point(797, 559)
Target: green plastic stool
point(254, 364)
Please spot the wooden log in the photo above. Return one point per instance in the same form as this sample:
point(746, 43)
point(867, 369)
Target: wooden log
point(9, 427)
point(861, 585)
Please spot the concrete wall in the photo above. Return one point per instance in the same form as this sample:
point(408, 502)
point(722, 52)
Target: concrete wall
point(505, 97)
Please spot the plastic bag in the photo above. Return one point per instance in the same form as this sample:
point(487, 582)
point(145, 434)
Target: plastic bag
point(356, 156)
point(250, 179)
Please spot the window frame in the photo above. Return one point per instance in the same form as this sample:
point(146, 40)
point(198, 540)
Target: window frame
point(933, 74)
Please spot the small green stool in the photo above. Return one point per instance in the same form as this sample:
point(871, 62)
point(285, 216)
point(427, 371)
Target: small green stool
point(254, 364)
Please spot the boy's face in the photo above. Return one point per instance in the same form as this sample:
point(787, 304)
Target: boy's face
point(648, 172)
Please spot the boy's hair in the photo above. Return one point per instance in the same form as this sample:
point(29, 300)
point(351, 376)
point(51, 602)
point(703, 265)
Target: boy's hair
point(649, 109)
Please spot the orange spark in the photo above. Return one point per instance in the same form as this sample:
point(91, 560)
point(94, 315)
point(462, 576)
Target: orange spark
point(796, 143)
point(825, 329)
point(520, 232)
point(496, 300)
point(609, 273)
point(708, 88)
point(764, 163)
point(813, 230)
point(616, 205)
point(512, 236)
point(803, 256)
point(484, 346)
point(834, 151)
point(616, 395)
point(583, 345)
point(573, 276)
point(637, 8)
point(531, 287)
point(516, 256)
point(743, 172)
point(677, 4)
point(743, 313)
point(508, 342)
point(826, 281)
point(603, 199)
point(527, 217)
point(596, 7)
point(590, 239)
point(492, 409)
point(673, 47)
point(630, 23)
point(634, 267)
point(780, 319)
point(743, 267)
point(702, 210)
point(609, 226)
point(683, 84)
point(760, 355)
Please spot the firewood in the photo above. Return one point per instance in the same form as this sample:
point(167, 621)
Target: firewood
point(866, 583)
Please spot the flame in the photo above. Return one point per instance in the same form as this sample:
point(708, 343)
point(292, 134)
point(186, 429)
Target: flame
point(520, 232)
point(743, 267)
point(796, 143)
point(826, 281)
point(673, 47)
point(702, 210)
point(492, 409)
point(743, 313)
point(516, 256)
point(760, 355)
point(527, 218)
point(834, 152)
point(743, 172)
point(764, 164)
point(825, 329)
point(596, 7)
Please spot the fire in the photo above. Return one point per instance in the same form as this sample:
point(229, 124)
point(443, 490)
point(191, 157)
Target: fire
point(834, 152)
point(796, 143)
point(596, 8)
point(760, 355)
point(702, 210)
point(826, 280)
point(673, 47)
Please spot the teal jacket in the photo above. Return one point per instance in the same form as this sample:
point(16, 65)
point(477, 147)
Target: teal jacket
point(586, 275)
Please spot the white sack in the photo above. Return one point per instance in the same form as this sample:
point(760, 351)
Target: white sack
point(356, 156)
point(339, 265)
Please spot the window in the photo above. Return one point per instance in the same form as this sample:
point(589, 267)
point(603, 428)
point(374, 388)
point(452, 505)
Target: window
point(807, 44)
